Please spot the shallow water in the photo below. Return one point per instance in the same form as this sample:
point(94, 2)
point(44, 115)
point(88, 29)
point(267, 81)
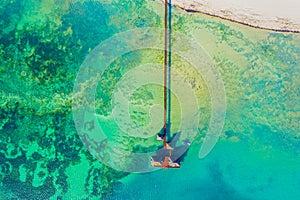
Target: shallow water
point(42, 46)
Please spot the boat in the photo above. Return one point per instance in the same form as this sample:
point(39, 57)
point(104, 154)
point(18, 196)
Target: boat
point(172, 154)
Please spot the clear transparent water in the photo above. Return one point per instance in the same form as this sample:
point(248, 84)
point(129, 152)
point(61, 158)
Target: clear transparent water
point(43, 44)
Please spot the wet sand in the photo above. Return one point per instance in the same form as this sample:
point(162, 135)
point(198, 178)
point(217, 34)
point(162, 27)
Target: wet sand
point(266, 14)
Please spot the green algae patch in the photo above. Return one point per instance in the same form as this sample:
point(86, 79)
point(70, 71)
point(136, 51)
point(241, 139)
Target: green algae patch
point(42, 46)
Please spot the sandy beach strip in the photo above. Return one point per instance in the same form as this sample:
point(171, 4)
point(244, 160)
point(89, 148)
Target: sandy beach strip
point(275, 15)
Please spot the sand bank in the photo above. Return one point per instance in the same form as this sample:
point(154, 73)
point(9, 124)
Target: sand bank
point(266, 14)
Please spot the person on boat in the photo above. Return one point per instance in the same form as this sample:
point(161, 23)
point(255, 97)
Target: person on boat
point(165, 163)
point(155, 163)
point(169, 163)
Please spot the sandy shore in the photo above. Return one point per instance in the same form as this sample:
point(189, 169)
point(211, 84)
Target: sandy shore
point(266, 14)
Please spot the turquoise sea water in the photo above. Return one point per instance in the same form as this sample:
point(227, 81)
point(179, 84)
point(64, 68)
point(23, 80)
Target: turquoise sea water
point(44, 43)
point(232, 171)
